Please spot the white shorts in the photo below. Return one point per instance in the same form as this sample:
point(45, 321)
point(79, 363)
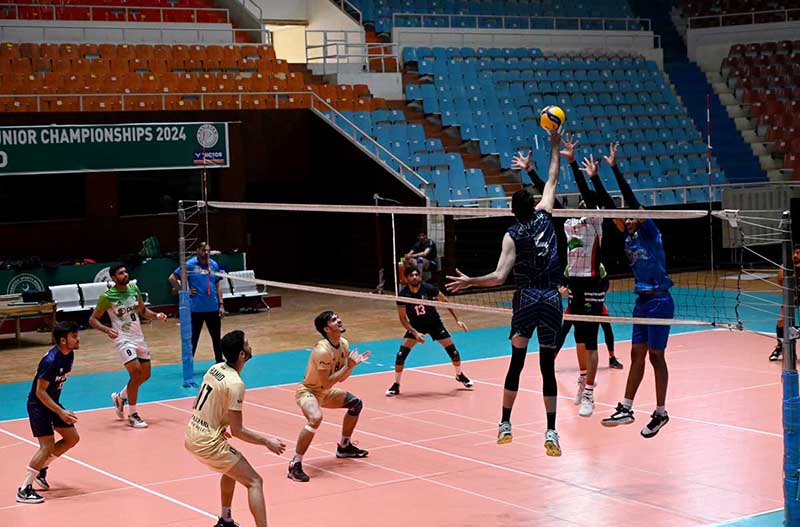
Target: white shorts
point(129, 350)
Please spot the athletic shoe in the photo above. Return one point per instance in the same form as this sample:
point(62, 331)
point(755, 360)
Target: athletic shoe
point(296, 472)
point(581, 386)
point(119, 405)
point(504, 433)
point(621, 416)
point(656, 423)
point(223, 523)
point(350, 450)
point(777, 354)
point(41, 479)
point(587, 404)
point(463, 379)
point(614, 364)
point(135, 421)
point(394, 389)
point(551, 443)
point(28, 495)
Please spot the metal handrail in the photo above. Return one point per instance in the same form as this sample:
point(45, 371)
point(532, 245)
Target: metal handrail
point(264, 34)
point(751, 14)
point(530, 19)
point(343, 55)
point(55, 8)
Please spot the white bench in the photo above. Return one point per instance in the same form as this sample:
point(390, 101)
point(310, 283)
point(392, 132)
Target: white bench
point(245, 288)
point(67, 298)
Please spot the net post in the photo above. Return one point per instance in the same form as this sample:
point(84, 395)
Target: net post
point(184, 310)
point(791, 396)
point(394, 257)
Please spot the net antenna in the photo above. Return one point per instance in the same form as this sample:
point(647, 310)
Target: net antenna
point(696, 288)
point(188, 227)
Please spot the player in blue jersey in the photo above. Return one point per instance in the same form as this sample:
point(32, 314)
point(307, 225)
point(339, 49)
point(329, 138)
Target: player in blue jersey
point(530, 250)
point(645, 251)
point(419, 320)
point(46, 413)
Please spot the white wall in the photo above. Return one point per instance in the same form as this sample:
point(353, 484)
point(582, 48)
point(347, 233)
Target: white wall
point(289, 42)
point(548, 40)
point(322, 14)
point(289, 10)
point(708, 46)
point(111, 32)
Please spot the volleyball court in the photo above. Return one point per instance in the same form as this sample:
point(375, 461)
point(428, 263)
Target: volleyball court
point(433, 454)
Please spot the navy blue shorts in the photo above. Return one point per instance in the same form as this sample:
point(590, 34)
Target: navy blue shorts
point(43, 420)
point(659, 305)
point(436, 330)
point(537, 309)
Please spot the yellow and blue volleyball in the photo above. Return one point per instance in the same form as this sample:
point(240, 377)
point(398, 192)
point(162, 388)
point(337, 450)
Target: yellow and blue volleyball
point(551, 118)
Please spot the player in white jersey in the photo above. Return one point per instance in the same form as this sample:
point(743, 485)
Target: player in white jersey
point(219, 405)
point(124, 305)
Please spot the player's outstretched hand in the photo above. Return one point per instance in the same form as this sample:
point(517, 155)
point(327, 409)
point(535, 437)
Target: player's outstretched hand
point(462, 325)
point(68, 417)
point(161, 316)
point(589, 166)
point(611, 158)
point(459, 282)
point(357, 358)
point(276, 445)
point(568, 147)
point(419, 337)
point(522, 162)
point(555, 138)
point(112, 334)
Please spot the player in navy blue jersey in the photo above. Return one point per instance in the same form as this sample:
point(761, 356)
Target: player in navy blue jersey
point(46, 413)
point(530, 250)
point(420, 320)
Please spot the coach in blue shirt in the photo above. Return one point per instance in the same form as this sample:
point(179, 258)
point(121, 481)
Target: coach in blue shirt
point(205, 297)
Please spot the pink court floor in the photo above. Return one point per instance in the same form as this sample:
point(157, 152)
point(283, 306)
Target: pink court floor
point(433, 459)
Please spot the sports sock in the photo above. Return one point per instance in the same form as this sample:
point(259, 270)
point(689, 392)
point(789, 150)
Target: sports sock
point(506, 415)
point(30, 474)
point(458, 369)
point(589, 388)
point(661, 410)
point(345, 442)
point(131, 409)
point(627, 403)
point(123, 393)
point(298, 458)
point(226, 514)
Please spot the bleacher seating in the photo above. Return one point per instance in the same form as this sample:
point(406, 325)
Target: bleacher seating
point(765, 78)
point(552, 15)
point(738, 12)
point(493, 96)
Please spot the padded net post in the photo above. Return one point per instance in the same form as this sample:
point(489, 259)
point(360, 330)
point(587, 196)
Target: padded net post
point(184, 309)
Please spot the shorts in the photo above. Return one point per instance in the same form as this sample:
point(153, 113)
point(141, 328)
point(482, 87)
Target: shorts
point(586, 332)
point(218, 456)
point(333, 398)
point(432, 264)
point(537, 309)
point(436, 330)
point(129, 350)
point(43, 420)
point(659, 305)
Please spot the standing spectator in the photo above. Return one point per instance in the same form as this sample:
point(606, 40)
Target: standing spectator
point(423, 254)
point(206, 297)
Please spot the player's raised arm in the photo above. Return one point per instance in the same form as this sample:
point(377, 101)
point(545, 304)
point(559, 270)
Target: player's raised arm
point(498, 277)
point(549, 194)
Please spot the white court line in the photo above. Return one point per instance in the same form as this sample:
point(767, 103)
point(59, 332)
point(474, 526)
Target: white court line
point(119, 478)
point(639, 406)
point(12, 444)
point(550, 479)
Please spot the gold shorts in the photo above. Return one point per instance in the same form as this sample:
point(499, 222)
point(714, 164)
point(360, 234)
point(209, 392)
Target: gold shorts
point(332, 398)
point(219, 456)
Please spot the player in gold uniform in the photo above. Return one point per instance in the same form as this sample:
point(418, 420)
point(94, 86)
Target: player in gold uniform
point(219, 405)
point(331, 362)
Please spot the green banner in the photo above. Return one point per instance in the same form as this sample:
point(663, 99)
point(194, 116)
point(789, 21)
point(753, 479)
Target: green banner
point(93, 147)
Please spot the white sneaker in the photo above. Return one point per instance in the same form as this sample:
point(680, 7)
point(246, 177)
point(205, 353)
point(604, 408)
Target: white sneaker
point(581, 386)
point(551, 443)
point(119, 405)
point(136, 422)
point(587, 404)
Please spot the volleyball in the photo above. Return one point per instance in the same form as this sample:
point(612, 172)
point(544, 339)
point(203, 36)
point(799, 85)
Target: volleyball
point(551, 118)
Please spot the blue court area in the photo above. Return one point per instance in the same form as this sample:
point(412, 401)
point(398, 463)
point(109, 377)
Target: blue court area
point(91, 391)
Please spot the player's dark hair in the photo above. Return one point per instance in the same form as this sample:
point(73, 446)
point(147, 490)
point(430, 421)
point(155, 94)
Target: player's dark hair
point(796, 247)
point(62, 329)
point(232, 344)
point(408, 270)
point(116, 266)
point(321, 322)
point(522, 203)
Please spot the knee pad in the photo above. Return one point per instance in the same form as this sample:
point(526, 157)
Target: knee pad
point(354, 406)
point(547, 363)
point(515, 368)
point(401, 356)
point(310, 428)
point(453, 353)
